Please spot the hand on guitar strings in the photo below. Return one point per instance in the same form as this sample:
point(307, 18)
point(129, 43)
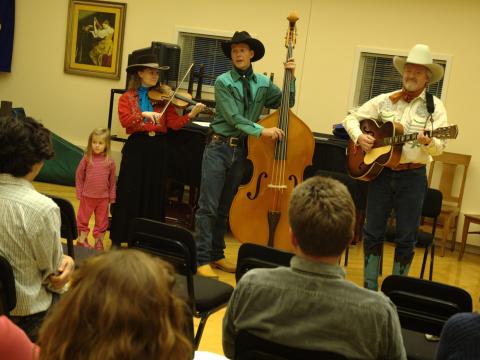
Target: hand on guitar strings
point(423, 139)
point(366, 142)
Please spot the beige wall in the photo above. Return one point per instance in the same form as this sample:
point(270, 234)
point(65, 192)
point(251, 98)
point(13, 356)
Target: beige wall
point(329, 32)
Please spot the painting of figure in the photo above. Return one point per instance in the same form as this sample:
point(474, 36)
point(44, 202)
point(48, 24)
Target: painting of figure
point(94, 38)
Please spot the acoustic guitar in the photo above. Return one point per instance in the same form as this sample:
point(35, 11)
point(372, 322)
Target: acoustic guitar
point(387, 147)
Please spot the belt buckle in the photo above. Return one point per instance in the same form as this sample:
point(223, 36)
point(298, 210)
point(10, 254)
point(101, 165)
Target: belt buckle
point(151, 133)
point(233, 142)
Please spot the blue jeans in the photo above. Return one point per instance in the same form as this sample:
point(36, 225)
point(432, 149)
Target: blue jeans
point(402, 191)
point(222, 171)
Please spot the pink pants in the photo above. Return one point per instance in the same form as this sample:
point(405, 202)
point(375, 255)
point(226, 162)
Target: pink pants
point(87, 207)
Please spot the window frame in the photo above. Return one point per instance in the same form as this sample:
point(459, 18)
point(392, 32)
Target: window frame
point(179, 30)
point(360, 50)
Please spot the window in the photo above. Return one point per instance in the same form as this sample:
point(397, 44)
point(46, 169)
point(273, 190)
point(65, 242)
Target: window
point(205, 50)
point(377, 75)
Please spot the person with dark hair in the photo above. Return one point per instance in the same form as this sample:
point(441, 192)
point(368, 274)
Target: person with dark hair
point(29, 222)
point(120, 305)
point(460, 338)
point(240, 95)
point(400, 188)
point(310, 305)
point(142, 178)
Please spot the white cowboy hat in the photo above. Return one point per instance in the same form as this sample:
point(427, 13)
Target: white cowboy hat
point(420, 54)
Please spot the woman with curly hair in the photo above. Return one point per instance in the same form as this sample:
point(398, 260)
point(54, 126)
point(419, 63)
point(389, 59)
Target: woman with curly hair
point(120, 306)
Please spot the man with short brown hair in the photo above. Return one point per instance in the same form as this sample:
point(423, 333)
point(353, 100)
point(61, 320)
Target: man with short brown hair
point(310, 305)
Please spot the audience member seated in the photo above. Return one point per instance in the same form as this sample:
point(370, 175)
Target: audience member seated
point(310, 305)
point(120, 306)
point(14, 343)
point(29, 222)
point(460, 338)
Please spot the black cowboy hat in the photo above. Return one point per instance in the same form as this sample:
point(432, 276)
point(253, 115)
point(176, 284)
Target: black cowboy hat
point(244, 37)
point(146, 61)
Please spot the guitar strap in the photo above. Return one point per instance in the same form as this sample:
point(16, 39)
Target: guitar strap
point(430, 108)
point(430, 103)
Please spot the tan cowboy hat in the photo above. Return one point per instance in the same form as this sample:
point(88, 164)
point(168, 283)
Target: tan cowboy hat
point(244, 37)
point(146, 61)
point(420, 54)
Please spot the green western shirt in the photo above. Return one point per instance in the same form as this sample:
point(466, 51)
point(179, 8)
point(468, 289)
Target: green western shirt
point(231, 118)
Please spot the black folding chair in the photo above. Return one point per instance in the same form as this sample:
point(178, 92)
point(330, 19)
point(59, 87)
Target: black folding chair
point(177, 246)
point(251, 347)
point(432, 208)
point(251, 256)
point(68, 229)
point(423, 307)
point(7, 287)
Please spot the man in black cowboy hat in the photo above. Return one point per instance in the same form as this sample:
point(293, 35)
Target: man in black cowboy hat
point(240, 96)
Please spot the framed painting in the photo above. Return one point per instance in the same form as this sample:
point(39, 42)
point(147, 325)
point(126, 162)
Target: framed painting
point(95, 38)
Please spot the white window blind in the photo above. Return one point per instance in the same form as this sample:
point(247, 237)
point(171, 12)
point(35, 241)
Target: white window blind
point(205, 50)
point(377, 75)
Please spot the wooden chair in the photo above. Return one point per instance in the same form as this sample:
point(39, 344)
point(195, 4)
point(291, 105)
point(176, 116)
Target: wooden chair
point(469, 218)
point(452, 199)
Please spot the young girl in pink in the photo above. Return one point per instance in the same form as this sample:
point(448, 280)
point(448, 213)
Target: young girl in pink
point(95, 187)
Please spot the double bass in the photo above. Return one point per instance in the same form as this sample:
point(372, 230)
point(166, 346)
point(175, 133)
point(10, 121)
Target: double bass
point(259, 212)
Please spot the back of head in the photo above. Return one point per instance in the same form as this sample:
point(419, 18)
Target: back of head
point(120, 306)
point(321, 215)
point(24, 143)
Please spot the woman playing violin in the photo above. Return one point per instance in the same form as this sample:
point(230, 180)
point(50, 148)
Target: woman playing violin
point(141, 181)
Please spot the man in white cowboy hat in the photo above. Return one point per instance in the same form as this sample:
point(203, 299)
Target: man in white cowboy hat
point(401, 188)
point(240, 96)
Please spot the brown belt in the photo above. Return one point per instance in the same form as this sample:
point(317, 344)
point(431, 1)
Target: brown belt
point(408, 166)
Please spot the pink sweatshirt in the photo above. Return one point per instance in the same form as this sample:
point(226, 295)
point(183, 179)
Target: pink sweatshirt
point(96, 178)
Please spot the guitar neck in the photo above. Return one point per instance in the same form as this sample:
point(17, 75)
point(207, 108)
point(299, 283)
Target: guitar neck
point(400, 139)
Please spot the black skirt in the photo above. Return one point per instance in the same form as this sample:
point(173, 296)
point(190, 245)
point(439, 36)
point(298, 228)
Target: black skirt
point(141, 184)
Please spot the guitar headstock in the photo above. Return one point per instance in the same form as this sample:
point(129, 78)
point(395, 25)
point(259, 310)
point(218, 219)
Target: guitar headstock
point(448, 132)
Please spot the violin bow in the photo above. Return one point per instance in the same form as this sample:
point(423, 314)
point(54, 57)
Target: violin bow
point(176, 90)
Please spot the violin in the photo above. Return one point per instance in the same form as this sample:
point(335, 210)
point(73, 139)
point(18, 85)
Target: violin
point(180, 98)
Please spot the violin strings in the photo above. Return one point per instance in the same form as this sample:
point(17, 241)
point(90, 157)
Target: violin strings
point(176, 90)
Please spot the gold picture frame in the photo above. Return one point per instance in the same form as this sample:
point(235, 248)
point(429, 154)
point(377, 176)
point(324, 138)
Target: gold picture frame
point(95, 38)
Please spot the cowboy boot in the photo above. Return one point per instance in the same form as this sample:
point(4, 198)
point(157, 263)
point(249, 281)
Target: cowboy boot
point(402, 262)
point(371, 270)
point(206, 271)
